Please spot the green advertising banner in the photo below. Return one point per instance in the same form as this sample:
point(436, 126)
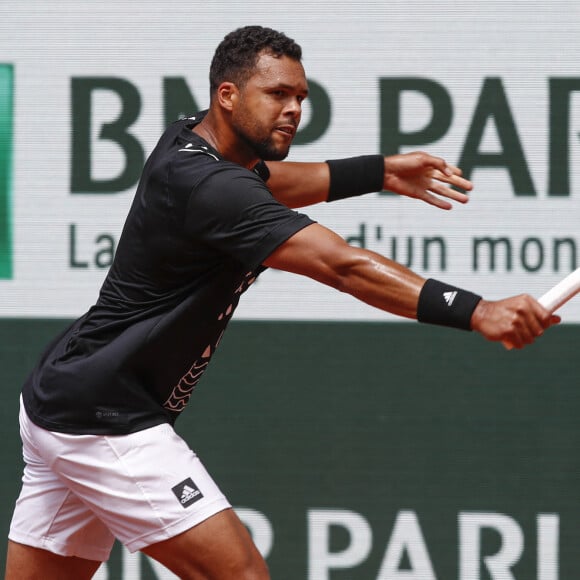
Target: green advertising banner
point(6, 111)
point(372, 451)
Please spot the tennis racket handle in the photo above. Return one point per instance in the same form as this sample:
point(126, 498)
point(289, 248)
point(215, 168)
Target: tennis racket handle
point(563, 291)
point(557, 296)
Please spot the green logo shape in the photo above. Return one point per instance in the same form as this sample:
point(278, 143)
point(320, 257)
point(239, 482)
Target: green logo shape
point(6, 112)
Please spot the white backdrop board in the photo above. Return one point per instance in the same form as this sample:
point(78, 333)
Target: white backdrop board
point(87, 88)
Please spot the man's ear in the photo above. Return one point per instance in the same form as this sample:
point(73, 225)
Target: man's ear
point(227, 94)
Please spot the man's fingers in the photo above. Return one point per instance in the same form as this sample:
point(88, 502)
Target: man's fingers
point(516, 321)
point(446, 191)
point(455, 178)
point(436, 201)
point(530, 320)
point(527, 330)
point(425, 177)
point(454, 169)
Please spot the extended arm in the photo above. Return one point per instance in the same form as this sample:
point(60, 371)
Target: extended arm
point(417, 175)
point(324, 256)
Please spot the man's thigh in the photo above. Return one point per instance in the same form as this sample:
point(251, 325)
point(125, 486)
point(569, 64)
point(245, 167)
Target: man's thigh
point(219, 548)
point(29, 563)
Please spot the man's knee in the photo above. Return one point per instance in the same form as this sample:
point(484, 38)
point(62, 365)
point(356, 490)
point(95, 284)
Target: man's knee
point(254, 568)
point(244, 562)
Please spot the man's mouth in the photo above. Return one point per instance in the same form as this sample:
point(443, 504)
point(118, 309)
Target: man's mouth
point(287, 129)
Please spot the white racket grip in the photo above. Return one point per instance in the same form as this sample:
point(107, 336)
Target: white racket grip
point(557, 296)
point(563, 291)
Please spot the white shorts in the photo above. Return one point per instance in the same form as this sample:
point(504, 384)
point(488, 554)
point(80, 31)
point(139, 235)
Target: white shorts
point(80, 492)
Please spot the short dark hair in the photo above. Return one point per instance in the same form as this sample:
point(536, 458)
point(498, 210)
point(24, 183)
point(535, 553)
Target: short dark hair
point(236, 56)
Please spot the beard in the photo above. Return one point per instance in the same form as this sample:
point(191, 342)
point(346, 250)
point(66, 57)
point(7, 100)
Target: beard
point(264, 147)
point(268, 152)
point(258, 138)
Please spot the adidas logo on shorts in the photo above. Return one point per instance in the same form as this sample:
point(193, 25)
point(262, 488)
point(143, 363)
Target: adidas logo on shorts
point(187, 492)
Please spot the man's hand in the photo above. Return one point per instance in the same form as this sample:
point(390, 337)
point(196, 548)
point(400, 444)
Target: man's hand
point(422, 176)
point(516, 321)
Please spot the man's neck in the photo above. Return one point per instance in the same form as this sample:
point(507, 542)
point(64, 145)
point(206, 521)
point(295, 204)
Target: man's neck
point(219, 134)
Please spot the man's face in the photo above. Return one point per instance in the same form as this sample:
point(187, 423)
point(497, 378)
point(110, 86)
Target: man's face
point(269, 107)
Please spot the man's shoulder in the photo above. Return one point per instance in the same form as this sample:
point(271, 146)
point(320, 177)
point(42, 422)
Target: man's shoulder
point(185, 121)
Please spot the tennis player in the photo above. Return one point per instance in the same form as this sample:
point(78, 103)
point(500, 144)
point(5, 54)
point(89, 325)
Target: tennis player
point(212, 210)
